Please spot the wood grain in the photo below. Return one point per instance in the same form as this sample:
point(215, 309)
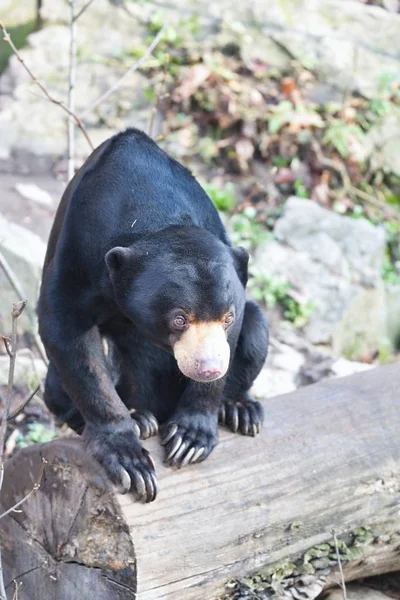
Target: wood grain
point(319, 462)
point(328, 458)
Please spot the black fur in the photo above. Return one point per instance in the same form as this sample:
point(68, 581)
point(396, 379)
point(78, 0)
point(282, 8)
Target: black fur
point(134, 238)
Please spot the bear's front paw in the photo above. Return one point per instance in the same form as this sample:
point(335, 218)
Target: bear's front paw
point(245, 416)
point(128, 465)
point(189, 438)
point(144, 422)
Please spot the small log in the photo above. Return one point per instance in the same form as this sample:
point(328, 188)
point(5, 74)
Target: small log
point(327, 459)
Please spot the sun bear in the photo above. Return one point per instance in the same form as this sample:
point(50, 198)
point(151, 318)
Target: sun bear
point(139, 258)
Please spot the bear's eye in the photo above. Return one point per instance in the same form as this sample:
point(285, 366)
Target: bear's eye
point(229, 318)
point(179, 322)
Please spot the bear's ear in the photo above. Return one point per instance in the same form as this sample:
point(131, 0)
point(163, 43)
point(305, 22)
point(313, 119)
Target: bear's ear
point(241, 261)
point(117, 258)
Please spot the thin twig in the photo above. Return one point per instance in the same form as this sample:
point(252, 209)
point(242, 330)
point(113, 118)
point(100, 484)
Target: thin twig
point(332, 164)
point(131, 69)
point(17, 585)
point(343, 584)
point(16, 312)
point(348, 188)
point(376, 202)
point(82, 10)
point(34, 489)
point(13, 279)
point(71, 89)
point(7, 344)
point(24, 403)
point(77, 120)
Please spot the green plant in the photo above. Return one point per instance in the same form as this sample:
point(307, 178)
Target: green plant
point(37, 434)
point(300, 189)
point(246, 230)
point(222, 198)
point(344, 136)
point(298, 116)
point(273, 292)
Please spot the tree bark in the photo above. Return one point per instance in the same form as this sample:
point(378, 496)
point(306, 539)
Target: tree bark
point(328, 459)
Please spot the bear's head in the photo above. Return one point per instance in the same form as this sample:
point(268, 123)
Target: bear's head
point(184, 290)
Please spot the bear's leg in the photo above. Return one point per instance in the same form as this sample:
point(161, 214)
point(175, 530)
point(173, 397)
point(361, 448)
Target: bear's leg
point(59, 403)
point(238, 411)
point(144, 378)
point(145, 422)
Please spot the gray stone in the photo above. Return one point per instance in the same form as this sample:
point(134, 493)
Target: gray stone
point(350, 248)
point(24, 251)
point(382, 145)
point(280, 373)
point(355, 591)
point(33, 192)
point(392, 300)
point(348, 42)
point(334, 263)
point(4, 5)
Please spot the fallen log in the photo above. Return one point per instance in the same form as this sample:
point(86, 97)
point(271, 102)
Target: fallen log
point(327, 459)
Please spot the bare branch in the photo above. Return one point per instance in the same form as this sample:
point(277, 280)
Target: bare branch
point(14, 282)
point(131, 69)
point(12, 278)
point(77, 120)
point(3, 595)
point(7, 344)
point(34, 489)
point(332, 164)
point(24, 403)
point(71, 89)
point(17, 310)
point(83, 9)
point(16, 589)
point(12, 352)
point(342, 584)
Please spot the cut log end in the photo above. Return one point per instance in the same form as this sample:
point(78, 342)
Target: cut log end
point(70, 535)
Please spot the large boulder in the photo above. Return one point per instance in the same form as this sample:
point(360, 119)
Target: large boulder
point(334, 262)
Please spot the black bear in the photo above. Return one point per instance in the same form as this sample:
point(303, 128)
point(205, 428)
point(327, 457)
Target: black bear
point(138, 262)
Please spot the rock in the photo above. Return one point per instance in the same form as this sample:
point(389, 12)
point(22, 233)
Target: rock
point(33, 192)
point(333, 262)
point(343, 367)
point(351, 248)
point(392, 296)
point(280, 374)
point(382, 145)
point(343, 42)
point(356, 592)
point(24, 251)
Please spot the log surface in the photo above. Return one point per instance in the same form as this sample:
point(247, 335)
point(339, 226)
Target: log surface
point(327, 458)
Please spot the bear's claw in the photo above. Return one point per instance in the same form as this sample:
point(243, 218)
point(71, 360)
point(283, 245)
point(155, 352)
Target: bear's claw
point(245, 416)
point(145, 423)
point(187, 444)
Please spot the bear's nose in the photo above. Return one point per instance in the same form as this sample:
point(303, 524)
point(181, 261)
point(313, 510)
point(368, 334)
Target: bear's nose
point(208, 370)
